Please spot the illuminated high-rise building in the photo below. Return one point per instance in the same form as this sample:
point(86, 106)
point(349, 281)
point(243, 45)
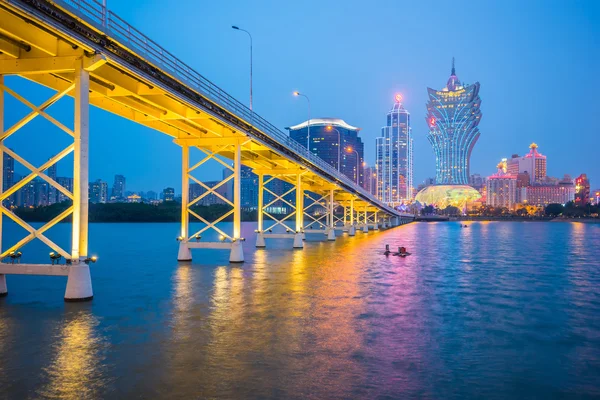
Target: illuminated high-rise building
point(532, 163)
point(501, 188)
point(453, 116)
point(394, 159)
point(333, 140)
point(582, 190)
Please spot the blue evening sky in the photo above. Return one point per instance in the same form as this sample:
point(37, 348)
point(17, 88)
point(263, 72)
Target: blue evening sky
point(538, 63)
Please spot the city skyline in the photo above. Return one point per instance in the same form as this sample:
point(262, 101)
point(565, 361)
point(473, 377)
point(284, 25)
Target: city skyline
point(339, 93)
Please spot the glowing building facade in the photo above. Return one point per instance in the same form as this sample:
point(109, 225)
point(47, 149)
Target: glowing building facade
point(501, 188)
point(453, 116)
point(582, 190)
point(394, 157)
point(442, 196)
point(532, 163)
point(333, 140)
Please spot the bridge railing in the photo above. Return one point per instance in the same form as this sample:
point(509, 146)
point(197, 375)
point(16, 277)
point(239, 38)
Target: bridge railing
point(92, 12)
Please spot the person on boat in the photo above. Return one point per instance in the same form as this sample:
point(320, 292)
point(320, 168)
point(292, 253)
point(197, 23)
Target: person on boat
point(403, 251)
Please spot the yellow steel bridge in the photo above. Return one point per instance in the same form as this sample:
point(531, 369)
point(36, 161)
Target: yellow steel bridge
point(80, 49)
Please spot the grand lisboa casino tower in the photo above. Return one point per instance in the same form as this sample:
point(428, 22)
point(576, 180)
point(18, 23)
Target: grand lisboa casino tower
point(453, 115)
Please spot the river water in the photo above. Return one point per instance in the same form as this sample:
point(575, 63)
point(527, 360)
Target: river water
point(495, 310)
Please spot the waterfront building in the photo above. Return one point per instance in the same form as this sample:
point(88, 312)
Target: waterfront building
point(134, 198)
point(118, 189)
point(98, 191)
point(168, 194)
point(394, 157)
point(453, 116)
point(501, 188)
point(442, 196)
point(582, 190)
point(330, 139)
point(542, 195)
point(533, 164)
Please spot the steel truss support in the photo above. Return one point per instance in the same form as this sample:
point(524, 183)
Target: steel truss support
point(79, 283)
point(264, 210)
point(326, 220)
point(232, 240)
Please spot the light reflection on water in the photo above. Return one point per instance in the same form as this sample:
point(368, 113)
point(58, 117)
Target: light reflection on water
point(76, 370)
point(494, 310)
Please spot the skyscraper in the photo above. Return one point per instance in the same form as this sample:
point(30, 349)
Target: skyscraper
point(333, 139)
point(394, 157)
point(453, 117)
point(118, 189)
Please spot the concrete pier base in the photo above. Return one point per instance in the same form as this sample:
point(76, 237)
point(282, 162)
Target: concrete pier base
point(298, 244)
point(365, 228)
point(352, 231)
point(184, 253)
point(79, 283)
point(383, 225)
point(237, 252)
point(3, 287)
point(260, 240)
point(331, 234)
point(376, 227)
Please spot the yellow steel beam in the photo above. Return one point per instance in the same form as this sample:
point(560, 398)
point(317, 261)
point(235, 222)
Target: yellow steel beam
point(30, 66)
point(9, 48)
point(17, 28)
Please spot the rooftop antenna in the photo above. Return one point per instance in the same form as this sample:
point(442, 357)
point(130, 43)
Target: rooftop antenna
point(453, 70)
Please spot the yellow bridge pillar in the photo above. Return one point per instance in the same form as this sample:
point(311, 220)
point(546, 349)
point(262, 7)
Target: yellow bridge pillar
point(298, 244)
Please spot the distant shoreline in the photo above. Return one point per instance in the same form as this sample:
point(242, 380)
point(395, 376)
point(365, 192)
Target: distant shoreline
point(589, 220)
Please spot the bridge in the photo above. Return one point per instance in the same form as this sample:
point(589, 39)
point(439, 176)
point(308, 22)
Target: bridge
point(80, 49)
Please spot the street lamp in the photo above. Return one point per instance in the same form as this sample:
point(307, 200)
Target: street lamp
point(243, 30)
point(350, 150)
point(308, 134)
point(330, 128)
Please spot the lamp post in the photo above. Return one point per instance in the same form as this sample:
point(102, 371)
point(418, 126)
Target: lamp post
point(308, 134)
point(350, 150)
point(331, 128)
point(249, 35)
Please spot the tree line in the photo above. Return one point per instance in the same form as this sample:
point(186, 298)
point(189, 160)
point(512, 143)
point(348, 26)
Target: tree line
point(132, 212)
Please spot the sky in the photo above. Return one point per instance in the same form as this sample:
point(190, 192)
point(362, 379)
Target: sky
point(538, 63)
